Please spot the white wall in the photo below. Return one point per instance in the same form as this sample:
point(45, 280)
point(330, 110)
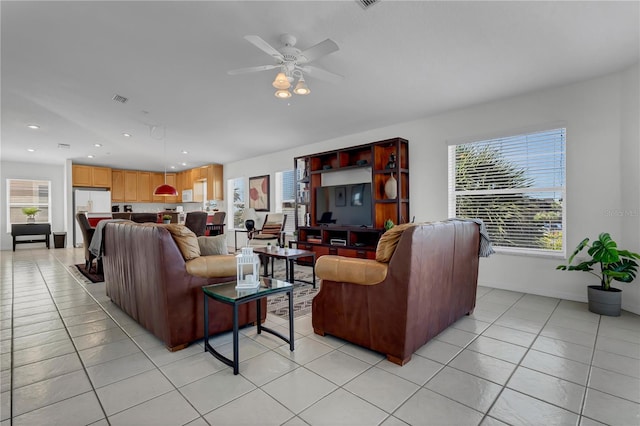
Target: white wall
point(630, 175)
point(601, 116)
point(57, 176)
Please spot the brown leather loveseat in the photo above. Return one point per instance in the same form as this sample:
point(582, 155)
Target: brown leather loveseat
point(147, 275)
point(394, 306)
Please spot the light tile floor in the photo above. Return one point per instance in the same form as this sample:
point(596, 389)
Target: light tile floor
point(69, 356)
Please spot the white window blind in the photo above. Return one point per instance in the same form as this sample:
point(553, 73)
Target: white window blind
point(28, 193)
point(516, 185)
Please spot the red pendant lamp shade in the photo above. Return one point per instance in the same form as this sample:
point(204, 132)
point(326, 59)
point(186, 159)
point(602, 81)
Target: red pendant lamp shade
point(165, 190)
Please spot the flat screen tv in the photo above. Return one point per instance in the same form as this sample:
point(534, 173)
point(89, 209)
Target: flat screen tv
point(350, 205)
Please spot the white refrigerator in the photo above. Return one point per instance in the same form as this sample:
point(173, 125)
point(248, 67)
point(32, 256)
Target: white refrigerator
point(91, 202)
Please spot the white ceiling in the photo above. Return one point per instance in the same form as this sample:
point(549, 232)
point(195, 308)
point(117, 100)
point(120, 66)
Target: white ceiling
point(62, 62)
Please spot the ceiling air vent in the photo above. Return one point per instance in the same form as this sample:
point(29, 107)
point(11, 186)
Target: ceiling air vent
point(120, 99)
point(64, 146)
point(367, 3)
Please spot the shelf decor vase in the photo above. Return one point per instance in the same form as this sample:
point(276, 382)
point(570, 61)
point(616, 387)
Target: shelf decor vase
point(391, 188)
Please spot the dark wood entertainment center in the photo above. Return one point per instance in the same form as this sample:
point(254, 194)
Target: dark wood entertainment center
point(372, 163)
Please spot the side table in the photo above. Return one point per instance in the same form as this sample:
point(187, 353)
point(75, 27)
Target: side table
point(227, 293)
point(28, 229)
point(290, 255)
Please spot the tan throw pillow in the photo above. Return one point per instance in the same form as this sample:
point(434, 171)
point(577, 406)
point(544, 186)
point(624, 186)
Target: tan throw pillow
point(213, 245)
point(389, 240)
point(186, 240)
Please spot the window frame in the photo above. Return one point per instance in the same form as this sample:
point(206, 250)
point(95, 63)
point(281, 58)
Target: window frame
point(556, 130)
point(11, 204)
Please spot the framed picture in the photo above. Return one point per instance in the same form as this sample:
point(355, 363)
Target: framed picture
point(341, 196)
point(259, 193)
point(357, 192)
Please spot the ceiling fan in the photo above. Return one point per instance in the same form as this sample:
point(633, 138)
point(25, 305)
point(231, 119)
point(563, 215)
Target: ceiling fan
point(292, 63)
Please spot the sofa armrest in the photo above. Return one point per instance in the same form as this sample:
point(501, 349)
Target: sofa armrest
point(219, 265)
point(351, 270)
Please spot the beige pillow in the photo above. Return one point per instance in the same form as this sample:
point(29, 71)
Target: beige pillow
point(186, 240)
point(388, 242)
point(213, 245)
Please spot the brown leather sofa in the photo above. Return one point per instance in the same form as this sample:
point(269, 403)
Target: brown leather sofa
point(394, 308)
point(147, 276)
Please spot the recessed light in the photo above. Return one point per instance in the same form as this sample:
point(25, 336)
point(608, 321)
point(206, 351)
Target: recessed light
point(183, 164)
point(172, 167)
point(33, 126)
point(184, 152)
point(97, 145)
point(126, 135)
point(89, 156)
point(31, 150)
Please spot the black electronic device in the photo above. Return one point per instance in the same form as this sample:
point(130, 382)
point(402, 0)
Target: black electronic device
point(350, 205)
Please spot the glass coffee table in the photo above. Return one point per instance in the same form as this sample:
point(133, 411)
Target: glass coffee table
point(227, 293)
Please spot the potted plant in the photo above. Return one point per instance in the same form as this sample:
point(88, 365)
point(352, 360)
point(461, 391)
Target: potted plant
point(388, 224)
point(30, 212)
point(614, 264)
point(166, 218)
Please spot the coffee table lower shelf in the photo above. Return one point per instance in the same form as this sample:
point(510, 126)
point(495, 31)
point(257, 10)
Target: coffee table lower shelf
point(226, 293)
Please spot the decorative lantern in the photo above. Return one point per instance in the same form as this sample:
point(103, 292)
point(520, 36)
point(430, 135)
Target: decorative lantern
point(248, 266)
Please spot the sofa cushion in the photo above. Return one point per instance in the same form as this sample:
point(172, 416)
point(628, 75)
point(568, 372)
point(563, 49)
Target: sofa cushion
point(213, 245)
point(213, 266)
point(185, 239)
point(351, 270)
point(388, 242)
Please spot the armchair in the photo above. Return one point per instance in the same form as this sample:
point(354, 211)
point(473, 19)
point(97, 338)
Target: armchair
point(424, 279)
point(216, 227)
point(272, 230)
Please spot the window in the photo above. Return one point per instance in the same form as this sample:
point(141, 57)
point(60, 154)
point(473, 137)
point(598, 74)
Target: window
point(28, 193)
point(236, 207)
point(287, 192)
point(516, 185)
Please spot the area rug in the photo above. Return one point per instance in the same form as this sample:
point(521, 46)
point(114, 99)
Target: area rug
point(91, 276)
point(303, 294)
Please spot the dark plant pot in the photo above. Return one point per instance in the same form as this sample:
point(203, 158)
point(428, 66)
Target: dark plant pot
point(604, 302)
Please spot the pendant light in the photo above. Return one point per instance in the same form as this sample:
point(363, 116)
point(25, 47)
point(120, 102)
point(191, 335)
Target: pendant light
point(164, 190)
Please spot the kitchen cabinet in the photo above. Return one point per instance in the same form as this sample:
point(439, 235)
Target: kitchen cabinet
point(131, 186)
point(90, 176)
point(171, 180)
point(117, 186)
point(179, 186)
point(144, 187)
point(187, 179)
point(215, 184)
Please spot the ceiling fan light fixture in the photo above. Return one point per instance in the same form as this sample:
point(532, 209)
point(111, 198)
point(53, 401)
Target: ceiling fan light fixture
point(283, 94)
point(301, 87)
point(281, 82)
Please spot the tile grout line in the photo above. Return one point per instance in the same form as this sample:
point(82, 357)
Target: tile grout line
point(131, 338)
point(519, 364)
point(66, 329)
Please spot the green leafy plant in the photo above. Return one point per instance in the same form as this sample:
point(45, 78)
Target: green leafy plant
point(615, 264)
point(166, 217)
point(30, 211)
point(388, 224)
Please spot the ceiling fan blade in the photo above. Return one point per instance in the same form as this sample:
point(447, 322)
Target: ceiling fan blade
point(252, 69)
point(264, 46)
point(321, 74)
point(314, 52)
